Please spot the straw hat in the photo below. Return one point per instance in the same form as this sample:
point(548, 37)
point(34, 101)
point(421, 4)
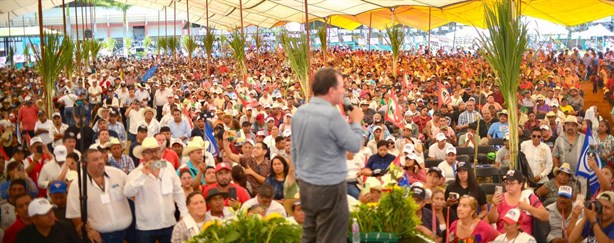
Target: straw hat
point(115, 141)
point(571, 119)
point(193, 146)
point(148, 143)
point(199, 140)
point(152, 110)
point(101, 110)
point(565, 167)
point(289, 203)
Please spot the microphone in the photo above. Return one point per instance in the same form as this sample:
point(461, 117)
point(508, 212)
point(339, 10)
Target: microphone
point(347, 104)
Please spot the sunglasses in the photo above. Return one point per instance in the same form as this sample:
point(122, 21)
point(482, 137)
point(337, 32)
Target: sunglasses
point(536, 136)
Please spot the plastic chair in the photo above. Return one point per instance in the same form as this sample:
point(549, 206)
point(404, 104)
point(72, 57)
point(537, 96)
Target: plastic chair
point(495, 141)
point(428, 163)
point(489, 172)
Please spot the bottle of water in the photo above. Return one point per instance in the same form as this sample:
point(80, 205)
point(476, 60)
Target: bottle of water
point(355, 231)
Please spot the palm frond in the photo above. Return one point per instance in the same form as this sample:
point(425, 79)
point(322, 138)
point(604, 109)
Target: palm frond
point(395, 39)
point(27, 53)
point(237, 44)
point(57, 52)
point(146, 43)
point(257, 39)
point(208, 40)
point(109, 44)
point(172, 43)
point(504, 51)
point(322, 31)
point(190, 45)
point(296, 52)
point(127, 43)
point(162, 44)
point(11, 55)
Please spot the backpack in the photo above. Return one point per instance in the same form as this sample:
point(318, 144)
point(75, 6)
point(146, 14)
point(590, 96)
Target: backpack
point(540, 229)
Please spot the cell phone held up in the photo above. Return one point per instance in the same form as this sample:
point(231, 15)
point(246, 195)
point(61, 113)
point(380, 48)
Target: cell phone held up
point(158, 164)
point(232, 193)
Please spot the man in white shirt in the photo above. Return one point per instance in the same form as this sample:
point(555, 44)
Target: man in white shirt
point(43, 128)
point(142, 94)
point(156, 189)
point(95, 94)
point(136, 117)
point(448, 166)
point(68, 100)
point(264, 198)
point(160, 99)
point(51, 170)
point(539, 156)
point(355, 162)
point(58, 129)
point(108, 211)
point(438, 150)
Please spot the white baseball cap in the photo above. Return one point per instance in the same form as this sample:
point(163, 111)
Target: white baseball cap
point(35, 140)
point(408, 148)
point(451, 150)
point(39, 206)
point(512, 216)
point(440, 137)
point(270, 119)
point(60, 153)
point(287, 133)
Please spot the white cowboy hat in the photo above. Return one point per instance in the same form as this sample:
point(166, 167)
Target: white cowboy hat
point(115, 141)
point(146, 109)
point(199, 140)
point(148, 143)
point(102, 109)
point(193, 146)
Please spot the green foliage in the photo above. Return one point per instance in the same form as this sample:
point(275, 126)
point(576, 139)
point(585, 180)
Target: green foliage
point(109, 44)
point(89, 50)
point(58, 53)
point(172, 43)
point(395, 213)
point(208, 40)
point(11, 55)
point(504, 50)
point(395, 39)
point(296, 52)
point(223, 42)
point(322, 31)
point(127, 44)
point(146, 43)
point(190, 45)
point(162, 44)
point(27, 53)
point(237, 44)
point(257, 39)
point(248, 229)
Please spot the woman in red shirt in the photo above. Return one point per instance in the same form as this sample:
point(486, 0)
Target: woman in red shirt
point(468, 227)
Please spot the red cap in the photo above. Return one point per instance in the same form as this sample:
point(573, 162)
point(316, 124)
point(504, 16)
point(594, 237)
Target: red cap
point(260, 117)
point(222, 166)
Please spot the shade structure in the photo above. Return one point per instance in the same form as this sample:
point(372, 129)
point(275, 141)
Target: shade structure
point(350, 14)
point(593, 31)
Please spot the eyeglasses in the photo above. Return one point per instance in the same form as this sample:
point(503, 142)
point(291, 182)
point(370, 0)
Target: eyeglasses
point(510, 183)
point(536, 136)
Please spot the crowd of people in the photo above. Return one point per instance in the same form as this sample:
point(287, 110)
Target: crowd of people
point(198, 142)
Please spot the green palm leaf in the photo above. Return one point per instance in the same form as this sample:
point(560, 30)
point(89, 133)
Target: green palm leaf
point(146, 43)
point(296, 52)
point(109, 44)
point(237, 44)
point(57, 53)
point(190, 46)
point(162, 44)
point(322, 36)
point(395, 40)
point(504, 51)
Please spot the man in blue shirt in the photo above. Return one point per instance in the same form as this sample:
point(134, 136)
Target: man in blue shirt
point(499, 129)
point(596, 226)
point(179, 127)
point(320, 139)
point(379, 162)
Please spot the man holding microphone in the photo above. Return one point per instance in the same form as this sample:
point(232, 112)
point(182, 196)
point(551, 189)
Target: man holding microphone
point(321, 137)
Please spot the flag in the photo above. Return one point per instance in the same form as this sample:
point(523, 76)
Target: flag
point(393, 111)
point(444, 95)
point(121, 75)
point(582, 169)
point(150, 73)
point(186, 112)
point(211, 138)
point(241, 98)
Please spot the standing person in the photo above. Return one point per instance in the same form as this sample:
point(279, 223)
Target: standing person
point(108, 211)
point(27, 116)
point(154, 181)
point(321, 165)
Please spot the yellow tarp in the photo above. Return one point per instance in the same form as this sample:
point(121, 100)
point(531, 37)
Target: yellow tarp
point(350, 14)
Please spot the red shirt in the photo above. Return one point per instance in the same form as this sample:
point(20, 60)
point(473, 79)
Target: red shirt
point(171, 156)
point(10, 235)
point(242, 195)
point(36, 170)
point(28, 115)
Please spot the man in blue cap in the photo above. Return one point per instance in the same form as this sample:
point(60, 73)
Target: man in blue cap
point(57, 194)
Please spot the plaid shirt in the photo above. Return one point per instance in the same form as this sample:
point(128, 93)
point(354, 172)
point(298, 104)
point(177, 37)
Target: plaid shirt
point(468, 117)
point(118, 127)
point(124, 163)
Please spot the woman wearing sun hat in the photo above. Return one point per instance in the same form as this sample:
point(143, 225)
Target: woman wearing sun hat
point(563, 176)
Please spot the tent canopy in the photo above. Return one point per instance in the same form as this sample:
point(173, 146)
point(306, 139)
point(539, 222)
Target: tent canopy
point(349, 14)
point(593, 31)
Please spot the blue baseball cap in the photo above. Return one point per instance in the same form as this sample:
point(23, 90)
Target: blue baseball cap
point(57, 186)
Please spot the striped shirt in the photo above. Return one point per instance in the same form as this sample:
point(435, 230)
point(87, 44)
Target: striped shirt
point(124, 163)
